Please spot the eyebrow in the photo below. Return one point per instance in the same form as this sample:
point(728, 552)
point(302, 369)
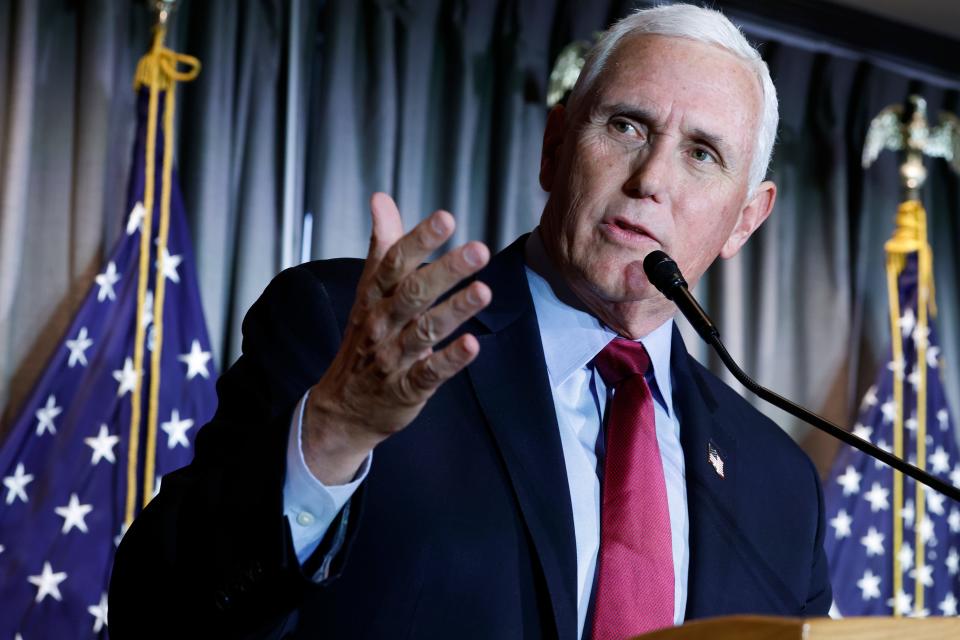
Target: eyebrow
point(640, 114)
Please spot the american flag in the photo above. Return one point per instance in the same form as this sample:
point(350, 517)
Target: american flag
point(64, 461)
point(859, 494)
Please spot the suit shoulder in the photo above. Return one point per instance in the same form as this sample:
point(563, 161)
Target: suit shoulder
point(752, 429)
point(333, 282)
point(337, 276)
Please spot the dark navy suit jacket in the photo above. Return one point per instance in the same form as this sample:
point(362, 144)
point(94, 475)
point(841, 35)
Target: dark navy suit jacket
point(463, 527)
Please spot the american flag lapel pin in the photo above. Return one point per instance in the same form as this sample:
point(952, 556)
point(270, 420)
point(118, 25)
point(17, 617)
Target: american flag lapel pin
point(713, 457)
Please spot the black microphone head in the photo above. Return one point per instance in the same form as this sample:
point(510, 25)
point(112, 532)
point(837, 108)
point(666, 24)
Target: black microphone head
point(664, 273)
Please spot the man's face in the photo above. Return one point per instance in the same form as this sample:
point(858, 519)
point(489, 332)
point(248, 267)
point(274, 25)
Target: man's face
point(657, 157)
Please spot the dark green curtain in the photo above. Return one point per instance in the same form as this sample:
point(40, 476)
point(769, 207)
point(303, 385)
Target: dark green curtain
point(441, 104)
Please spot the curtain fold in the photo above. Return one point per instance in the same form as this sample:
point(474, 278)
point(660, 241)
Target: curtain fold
point(440, 103)
point(63, 143)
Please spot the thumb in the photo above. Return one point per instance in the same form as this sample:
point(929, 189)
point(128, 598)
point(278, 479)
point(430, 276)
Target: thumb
point(387, 226)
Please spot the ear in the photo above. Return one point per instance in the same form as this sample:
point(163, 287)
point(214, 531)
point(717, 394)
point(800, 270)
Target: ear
point(553, 135)
point(754, 212)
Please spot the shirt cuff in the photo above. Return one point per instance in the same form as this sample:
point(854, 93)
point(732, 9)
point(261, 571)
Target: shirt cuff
point(308, 504)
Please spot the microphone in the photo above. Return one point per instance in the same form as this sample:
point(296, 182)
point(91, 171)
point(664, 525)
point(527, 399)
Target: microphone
point(665, 275)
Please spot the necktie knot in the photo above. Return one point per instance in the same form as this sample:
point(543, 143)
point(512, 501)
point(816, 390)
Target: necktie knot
point(621, 359)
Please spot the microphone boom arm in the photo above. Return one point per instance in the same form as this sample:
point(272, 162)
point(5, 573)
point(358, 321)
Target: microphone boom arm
point(665, 275)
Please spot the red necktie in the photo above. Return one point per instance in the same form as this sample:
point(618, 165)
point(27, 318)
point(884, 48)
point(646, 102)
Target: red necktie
point(635, 587)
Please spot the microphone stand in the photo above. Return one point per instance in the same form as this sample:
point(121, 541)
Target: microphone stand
point(665, 276)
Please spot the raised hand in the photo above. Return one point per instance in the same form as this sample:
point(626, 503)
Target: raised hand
point(387, 368)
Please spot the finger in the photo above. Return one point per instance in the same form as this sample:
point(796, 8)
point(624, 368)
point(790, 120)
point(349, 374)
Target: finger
point(387, 226)
point(418, 290)
point(439, 322)
point(411, 250)
point(423, 378)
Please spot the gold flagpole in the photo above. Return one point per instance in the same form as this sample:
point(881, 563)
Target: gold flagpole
point(899, 128)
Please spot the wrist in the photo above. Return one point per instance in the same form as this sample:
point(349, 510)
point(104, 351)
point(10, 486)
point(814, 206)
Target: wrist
point(332, 448)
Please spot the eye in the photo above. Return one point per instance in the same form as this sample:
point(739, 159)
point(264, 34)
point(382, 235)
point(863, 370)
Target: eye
point(703, 155)
point(624, 126)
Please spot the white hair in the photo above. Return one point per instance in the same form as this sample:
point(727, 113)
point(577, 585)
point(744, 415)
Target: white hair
point(702, 25)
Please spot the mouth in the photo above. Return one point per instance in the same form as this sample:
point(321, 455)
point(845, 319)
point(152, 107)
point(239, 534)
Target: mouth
point(625, 232)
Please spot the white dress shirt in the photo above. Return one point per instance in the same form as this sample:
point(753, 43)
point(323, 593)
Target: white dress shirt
point(571, 338)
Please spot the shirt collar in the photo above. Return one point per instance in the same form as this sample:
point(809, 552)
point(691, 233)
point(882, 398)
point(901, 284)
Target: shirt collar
point(571, 336)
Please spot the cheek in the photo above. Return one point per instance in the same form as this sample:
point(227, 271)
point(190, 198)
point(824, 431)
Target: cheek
point(699, 236)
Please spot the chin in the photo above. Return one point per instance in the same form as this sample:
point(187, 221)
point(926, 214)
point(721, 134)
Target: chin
point(618, 280)
point(611, 287)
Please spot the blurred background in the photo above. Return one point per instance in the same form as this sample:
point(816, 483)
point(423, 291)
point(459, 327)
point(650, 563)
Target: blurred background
point(303, 108)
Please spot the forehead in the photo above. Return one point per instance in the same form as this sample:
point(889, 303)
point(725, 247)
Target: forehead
point(703, 85)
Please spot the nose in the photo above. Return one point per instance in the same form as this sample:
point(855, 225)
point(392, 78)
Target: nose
point(650, 173)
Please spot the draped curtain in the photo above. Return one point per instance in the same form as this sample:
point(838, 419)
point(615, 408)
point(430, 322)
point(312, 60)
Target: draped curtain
point(308, 107)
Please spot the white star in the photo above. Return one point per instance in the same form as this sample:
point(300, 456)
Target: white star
point(99, 613)
point(902, 603)
point(935, 501)
point(873, 542)
point(955, 476)
point(196, 361)
point(940, 461)
point(908, 513)
point(907, 322)
point(889, 410)
point(135, 221)
point(73, 514)
point(127, 377)
point(933, 356)
point(869, 585)
point(47, 583)
point(943, 418)
point(926, 531)
point(841, 524)
point(146, 317)
point(906, 557)
point(911, 423)
point(862, 431)
point(921, 336)
point(850, 481)
point(102, 446)
point(882, 444)
point(177, 430)
point(117, 538)
point(105, 281)
point(78, 347)
point(954, 520)
point(914, 379)
point(16, 484)
point(924, 575)
point(949, 605)
point(877, 497)
point(920, 613)
point(869, 398)
point(953, 561)
point(898, 367)
point(45, 416)
point(168, 264)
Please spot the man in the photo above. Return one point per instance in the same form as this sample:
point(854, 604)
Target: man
point(384, 465)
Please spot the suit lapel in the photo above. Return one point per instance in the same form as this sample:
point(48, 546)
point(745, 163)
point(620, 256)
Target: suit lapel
point(710, 455)
point(510, 380)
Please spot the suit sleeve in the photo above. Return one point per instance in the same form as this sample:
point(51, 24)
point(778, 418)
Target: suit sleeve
point(214, 546)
